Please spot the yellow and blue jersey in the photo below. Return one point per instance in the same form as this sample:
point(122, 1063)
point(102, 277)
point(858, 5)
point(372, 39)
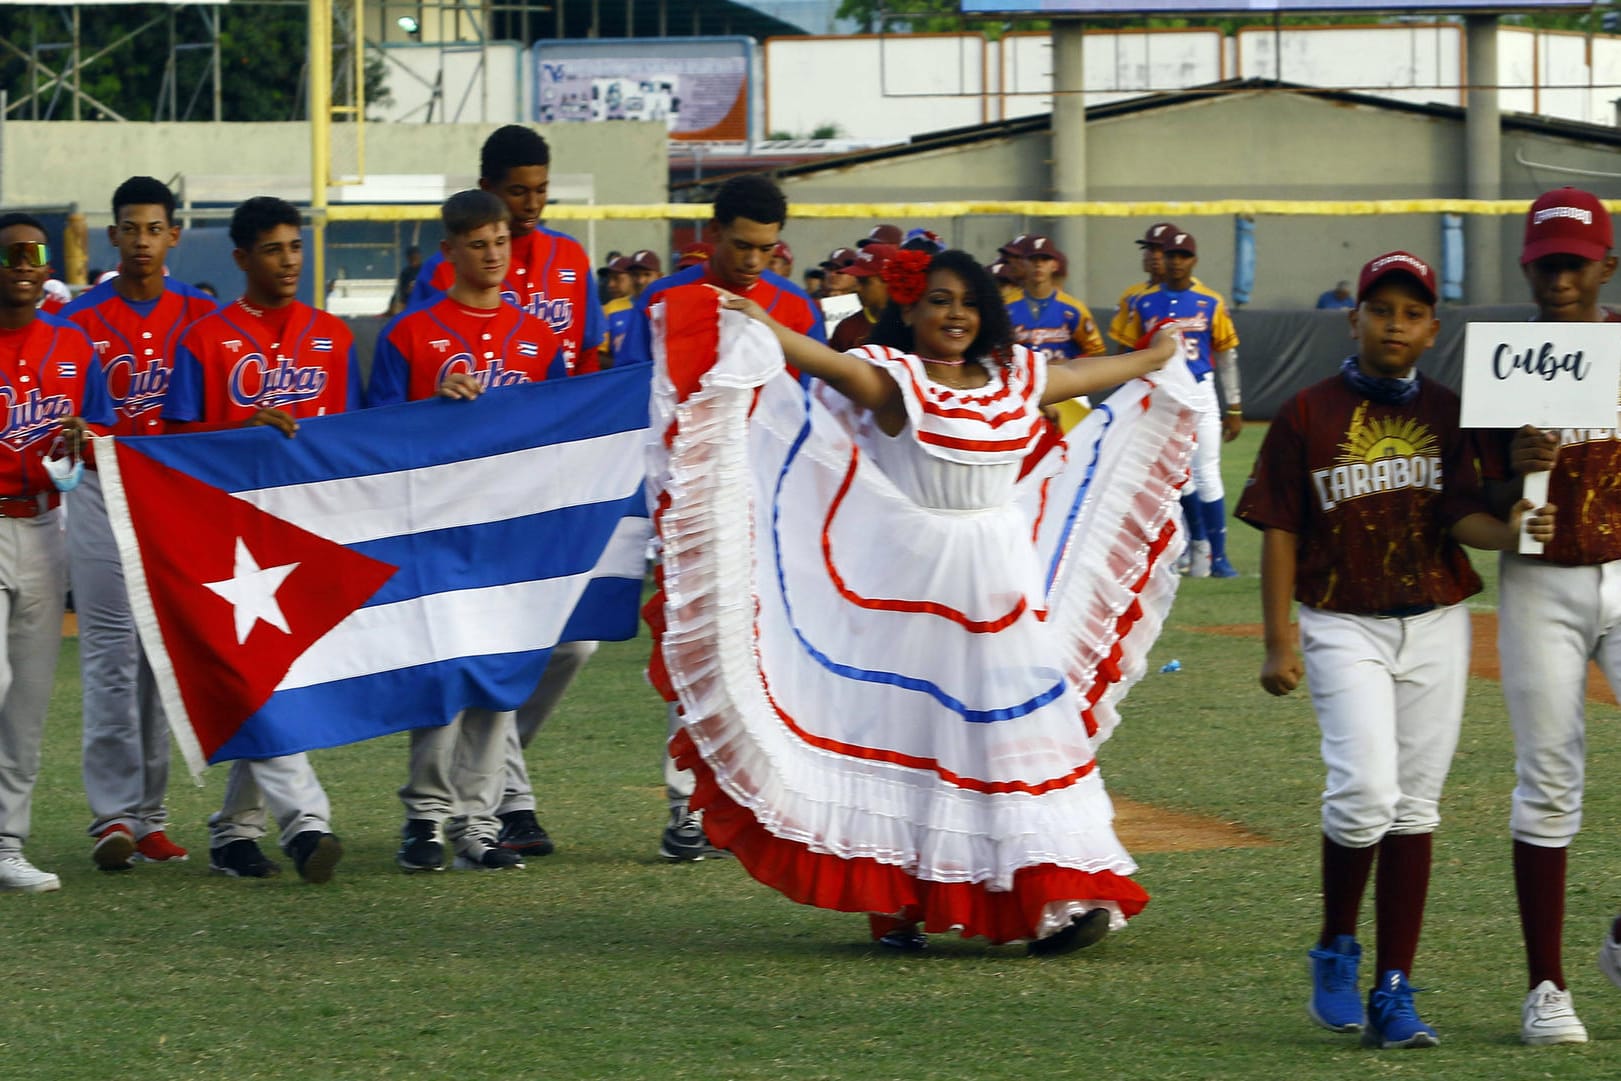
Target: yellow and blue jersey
point(1207, 326)
point(1058, 326)
point(618, 313)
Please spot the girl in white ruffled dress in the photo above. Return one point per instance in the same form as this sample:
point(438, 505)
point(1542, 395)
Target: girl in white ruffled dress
point(898, 608)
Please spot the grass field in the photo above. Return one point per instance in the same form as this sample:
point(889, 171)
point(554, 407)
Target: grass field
point(602, 962)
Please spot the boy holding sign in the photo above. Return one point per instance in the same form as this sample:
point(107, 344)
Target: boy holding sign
point(1363, 488)
point(1556, 610)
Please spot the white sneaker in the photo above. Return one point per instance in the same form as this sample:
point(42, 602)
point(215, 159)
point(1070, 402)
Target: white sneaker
point(1549, 1018)
point(1199, 559)
point(16, 873)
point(1609, 957)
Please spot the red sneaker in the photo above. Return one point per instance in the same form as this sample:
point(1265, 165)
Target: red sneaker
point(114, 846)
point(156, 847)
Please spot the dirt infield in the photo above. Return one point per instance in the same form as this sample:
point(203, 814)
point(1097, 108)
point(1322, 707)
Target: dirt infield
point(1483, 663)
point(1142, 827)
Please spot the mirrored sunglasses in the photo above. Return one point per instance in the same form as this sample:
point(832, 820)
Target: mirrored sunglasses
point(25, 253)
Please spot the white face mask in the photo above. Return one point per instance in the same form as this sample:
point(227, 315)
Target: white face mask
point(65, 468)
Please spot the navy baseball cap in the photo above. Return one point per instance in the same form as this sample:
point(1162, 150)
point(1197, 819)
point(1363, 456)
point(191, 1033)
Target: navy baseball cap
point(1396, 262)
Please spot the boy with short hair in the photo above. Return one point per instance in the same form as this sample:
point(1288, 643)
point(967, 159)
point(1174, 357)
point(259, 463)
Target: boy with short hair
point(1046, 318)
point(1210, 345)
point(1363, 487)
point(458, 346)
point(268, 359)
point(53, 386)
point(1557, 610)
point(135, 321)
point(549, 275)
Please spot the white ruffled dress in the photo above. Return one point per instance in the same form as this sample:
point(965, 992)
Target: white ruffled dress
point(896, 657)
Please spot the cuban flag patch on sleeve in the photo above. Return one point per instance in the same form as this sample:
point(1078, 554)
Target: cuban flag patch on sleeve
point(321, 345)
point(67, 370)
point(567, 277)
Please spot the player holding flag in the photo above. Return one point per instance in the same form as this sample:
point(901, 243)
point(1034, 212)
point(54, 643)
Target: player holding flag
point(268, 359)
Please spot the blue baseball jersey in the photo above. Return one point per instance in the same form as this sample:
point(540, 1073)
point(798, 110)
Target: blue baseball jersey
point(1207, 327)
point(619, 313)
point(1057, 326)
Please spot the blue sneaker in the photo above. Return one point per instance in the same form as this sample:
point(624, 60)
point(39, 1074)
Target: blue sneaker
point(1335, 1003)
point(1220, 568)
point(1392, 1021)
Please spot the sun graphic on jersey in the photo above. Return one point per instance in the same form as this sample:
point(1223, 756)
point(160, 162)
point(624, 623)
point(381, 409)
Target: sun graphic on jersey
point(1387, 437)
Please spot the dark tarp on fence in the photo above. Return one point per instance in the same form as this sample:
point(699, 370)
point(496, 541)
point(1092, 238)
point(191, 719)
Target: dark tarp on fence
point(1280, 352)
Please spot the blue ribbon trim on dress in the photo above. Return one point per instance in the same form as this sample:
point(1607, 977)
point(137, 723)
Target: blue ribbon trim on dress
point(1080, 497)
point(866, 675)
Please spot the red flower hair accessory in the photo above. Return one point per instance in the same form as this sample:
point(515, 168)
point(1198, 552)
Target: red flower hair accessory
point(907, 275)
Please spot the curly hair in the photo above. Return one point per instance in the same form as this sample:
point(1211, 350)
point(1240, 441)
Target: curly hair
point(995, 335)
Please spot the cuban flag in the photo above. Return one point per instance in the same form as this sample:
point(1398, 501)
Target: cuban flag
point(384, 569)
point(321, 345)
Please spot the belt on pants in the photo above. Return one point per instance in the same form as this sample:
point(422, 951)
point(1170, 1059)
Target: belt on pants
point(1407, 612)
point(28, 506)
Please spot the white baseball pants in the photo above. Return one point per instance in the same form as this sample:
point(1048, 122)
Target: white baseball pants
point(1389, 700)
point(1550, 621)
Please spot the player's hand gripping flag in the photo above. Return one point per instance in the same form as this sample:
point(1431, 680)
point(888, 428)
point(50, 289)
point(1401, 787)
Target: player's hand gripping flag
point(383, 569)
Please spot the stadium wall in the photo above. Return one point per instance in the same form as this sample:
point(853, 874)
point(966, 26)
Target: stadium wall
point(60, 162)
point(1223, 146)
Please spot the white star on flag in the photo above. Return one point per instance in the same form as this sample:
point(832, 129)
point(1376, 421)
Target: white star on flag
point(252, 592)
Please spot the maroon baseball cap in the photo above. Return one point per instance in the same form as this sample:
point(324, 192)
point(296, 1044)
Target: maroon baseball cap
point(1042, 245)
point(1177, 240)
point(620, 265)
point(998, 271)
point(693, 254)
point(1015, 246)
point(882, 234)
point(1397, 262)
point(1567, 221)
point(1158, 233)
point(646, 260)
point(838, 259)
point(871, 260)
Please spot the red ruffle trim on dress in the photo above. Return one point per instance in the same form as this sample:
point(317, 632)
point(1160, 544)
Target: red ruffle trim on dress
point(865, 885)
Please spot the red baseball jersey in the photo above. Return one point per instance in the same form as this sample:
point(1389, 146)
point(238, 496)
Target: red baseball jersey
point(48, 372)
point(550, 278)
point(499, 347)
point(1370, 492)
point(241, 359)
point(1585, 484)
point(782, 299)
point(135, 342)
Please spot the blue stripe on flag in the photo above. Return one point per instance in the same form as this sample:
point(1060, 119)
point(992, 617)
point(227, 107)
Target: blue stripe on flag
point(413, 435)
point(350, 710)
point(497, 553)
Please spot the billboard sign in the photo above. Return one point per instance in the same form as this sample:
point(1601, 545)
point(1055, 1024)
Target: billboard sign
point(699, 88)
point(1048, 8)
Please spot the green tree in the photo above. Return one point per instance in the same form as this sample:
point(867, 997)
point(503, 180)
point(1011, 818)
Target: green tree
point(262, 62)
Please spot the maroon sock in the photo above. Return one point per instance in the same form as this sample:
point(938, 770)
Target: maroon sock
point(1345, 877)
point(1539, 881)
point(1398, 899)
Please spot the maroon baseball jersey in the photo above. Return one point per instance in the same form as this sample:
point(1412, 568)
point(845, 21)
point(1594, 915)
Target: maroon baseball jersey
point(550, 278)
point(241, 359)
point(499, 347)
point(135, 343)
point(851, 333)
point(1369, 491)
point(1584, 484)
point(48, 372)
